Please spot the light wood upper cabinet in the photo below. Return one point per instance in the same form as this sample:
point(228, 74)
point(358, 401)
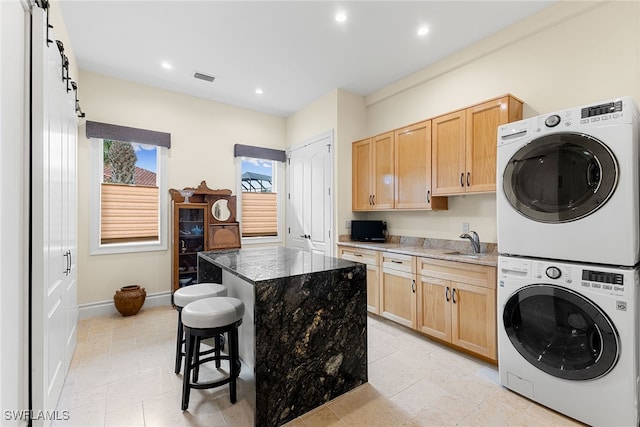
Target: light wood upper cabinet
point(448, 153)
point(362, 175)
point(482, 123)
point(384, 174)
point(413, 169)
point(373, 173)
point(465, 146)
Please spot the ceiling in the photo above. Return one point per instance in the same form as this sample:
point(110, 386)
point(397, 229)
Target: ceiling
point(295, 51)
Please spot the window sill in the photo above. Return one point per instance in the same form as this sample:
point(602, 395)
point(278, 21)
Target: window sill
point(123, 248)
point(260, 240)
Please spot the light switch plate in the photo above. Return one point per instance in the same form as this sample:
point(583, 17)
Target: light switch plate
point(465, 227)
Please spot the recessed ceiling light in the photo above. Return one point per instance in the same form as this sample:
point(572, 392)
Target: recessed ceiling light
point(258, 91)
point(341, 17)
point(423, 30)
point(166, 66)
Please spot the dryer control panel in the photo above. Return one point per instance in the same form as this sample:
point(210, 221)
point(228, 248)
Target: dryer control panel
point(598, 110)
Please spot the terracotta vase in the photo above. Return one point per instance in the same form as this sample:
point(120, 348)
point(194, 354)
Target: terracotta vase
point(129, 299)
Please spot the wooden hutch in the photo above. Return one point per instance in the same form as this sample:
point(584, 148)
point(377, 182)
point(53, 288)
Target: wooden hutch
point(203, 220)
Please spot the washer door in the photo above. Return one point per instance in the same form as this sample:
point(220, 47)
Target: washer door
point(561, 332)
point(560, 177)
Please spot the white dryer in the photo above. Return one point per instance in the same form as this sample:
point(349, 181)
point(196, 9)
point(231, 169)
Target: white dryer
point(569, 185)
point(567, 337)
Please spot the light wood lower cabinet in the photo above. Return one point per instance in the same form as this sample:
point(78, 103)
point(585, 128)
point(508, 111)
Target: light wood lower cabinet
point(372, 259)
point(457, 304)
point(454, 302)
point(398, 288)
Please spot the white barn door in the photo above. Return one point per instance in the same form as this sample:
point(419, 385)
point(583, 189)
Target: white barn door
point(53, 307)
point(310, 198)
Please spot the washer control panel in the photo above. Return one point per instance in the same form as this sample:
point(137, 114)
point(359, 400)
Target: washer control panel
point(603, 280)
point(553, 272)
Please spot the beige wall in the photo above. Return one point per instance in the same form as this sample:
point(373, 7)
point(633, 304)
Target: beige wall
point(574, 53)
point(202, 137)
point(548, 61)
point(345, 114)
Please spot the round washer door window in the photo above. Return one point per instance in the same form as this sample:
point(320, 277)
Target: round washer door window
point(560, 177)
point(561, 332)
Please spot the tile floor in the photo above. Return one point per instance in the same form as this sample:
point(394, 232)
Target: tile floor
point(122, 375)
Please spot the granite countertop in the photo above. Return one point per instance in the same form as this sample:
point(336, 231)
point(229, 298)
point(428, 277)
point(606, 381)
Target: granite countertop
point(433, 248)
point(260, 264)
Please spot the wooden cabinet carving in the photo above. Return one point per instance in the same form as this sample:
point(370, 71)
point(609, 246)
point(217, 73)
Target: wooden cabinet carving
point(207, 221)
point(224, 230)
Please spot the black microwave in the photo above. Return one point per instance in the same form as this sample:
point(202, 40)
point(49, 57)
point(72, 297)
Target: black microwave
point(368, 231)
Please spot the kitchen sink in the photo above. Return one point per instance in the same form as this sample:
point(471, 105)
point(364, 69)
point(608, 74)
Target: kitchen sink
point(467, 255)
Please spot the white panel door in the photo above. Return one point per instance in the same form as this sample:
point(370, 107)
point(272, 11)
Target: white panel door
point(53, 308)
point(310, 200)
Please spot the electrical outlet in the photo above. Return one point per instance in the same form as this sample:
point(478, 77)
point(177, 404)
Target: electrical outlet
point(465, 227)
point(347, 224)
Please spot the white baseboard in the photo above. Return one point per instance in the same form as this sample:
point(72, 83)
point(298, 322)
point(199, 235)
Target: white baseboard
point(107, 308)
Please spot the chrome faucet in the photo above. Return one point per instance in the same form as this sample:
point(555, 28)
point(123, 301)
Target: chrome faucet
point(474, 239)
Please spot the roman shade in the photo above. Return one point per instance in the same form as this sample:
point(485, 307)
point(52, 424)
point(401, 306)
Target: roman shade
point(240, 150)
point(127, 134)
point(129, 212)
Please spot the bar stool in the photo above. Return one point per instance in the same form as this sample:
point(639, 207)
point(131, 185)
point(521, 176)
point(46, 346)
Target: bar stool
point(208, 318)
point(184, 296)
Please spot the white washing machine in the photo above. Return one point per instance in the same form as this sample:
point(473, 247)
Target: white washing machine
point(567, 337)
point(568, 185)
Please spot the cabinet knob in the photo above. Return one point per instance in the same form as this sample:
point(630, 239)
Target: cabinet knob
point(428, 196)
point(468, 179)
point(446, 294)
point(462, 179)
point(453, 296)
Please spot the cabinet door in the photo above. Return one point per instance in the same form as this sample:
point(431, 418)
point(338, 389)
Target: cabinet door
point(398, 297)
point(474, 319)
point(383, 172)
point(373, 289)
point(413, 166)
point(372, 259)
point(362, 175)
point(189, 237)
point(434, 307)
point(482, 134)
point(448, 151)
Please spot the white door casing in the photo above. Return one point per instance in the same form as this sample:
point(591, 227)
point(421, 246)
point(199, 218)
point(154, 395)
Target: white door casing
point(14, 73)
point(53, 308)
point(310, 196)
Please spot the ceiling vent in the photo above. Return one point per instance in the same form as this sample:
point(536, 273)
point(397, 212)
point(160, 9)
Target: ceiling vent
point(203, 77)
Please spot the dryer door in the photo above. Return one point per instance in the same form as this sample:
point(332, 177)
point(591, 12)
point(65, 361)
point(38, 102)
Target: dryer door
point(561, 332)
point(560, 177)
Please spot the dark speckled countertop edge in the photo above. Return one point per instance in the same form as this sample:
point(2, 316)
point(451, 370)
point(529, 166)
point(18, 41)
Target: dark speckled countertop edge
point(484, 258)
point(264, 271)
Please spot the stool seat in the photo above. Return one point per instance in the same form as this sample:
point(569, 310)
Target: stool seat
point(183, 297)
point(208, 318)
point(212, 312)
point(187, 294)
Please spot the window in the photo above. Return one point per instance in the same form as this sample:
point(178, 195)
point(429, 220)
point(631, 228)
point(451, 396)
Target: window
point(259, 198)
point(261, 194)
point(128, 196)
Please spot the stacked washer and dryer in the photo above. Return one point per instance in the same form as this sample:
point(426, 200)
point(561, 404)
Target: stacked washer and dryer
point(568, 211)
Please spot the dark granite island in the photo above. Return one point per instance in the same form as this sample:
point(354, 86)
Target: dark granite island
point(304, 330)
